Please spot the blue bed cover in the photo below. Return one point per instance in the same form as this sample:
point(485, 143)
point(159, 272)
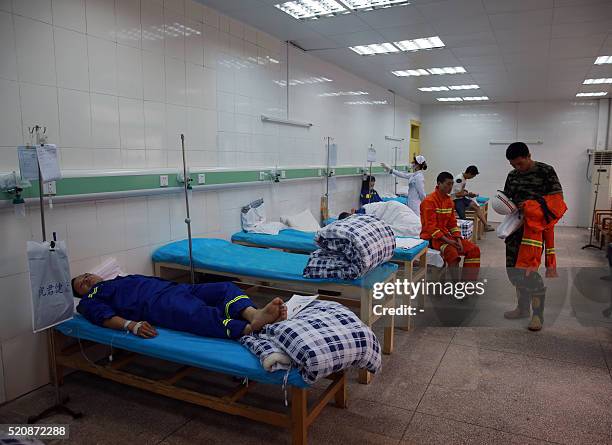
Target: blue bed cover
point(214, 354)
point(304, 241)
point(224, 257)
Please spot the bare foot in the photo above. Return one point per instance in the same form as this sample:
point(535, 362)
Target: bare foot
point(272, 312)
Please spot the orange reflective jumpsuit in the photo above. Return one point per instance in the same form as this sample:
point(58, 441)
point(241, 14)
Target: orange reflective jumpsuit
point(540, 217)
point(438, 220)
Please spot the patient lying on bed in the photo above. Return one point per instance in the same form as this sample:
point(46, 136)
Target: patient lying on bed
point(137, 303)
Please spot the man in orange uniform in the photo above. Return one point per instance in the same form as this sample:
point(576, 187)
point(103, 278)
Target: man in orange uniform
point(439, 227)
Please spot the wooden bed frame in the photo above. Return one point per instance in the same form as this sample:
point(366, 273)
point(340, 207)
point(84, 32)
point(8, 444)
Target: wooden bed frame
point(350, 296)
point(299, 418)
point(411, 270)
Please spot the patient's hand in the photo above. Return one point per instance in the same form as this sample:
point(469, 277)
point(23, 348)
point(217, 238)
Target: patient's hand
point(146, 330)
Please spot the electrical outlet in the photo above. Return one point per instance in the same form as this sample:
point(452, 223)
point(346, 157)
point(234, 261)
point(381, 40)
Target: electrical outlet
point(332, 172)
point(49, 188)
point(163, 181)
point(202, 178)
point(262, 176)
point(320, 172)
point(283, 174)
point(358, 170)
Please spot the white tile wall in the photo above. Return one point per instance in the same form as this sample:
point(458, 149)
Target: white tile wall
point(116, 82)
point(566, 128)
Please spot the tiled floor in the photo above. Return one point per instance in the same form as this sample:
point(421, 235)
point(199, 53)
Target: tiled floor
point(443, 385)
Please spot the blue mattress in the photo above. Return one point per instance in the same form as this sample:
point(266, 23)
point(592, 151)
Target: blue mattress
point(219, 355)
point(224, 257)
point(401, 199)
point(304, 242)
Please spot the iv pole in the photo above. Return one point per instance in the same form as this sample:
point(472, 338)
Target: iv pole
point(395, 167)
point(325, 198)
point(188, 219)
point(59, 407)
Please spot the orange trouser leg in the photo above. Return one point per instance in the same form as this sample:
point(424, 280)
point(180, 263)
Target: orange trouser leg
point(449, 253)
point(550, 257)
point(530, 250)
point(471, 262)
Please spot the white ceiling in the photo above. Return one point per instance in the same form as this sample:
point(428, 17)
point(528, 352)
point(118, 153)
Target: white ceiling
point(516, 50)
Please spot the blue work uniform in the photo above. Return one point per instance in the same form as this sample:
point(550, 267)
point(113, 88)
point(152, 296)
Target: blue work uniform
point(209, 310)
point(369, 196)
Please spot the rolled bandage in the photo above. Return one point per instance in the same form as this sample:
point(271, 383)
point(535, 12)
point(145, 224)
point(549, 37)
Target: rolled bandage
point(136, 328)
point(126, 325)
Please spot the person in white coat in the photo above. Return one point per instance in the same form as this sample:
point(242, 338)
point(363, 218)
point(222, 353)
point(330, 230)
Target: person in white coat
point(416, 181)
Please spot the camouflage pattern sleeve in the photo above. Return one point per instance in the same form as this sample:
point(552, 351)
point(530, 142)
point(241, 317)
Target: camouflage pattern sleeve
point(554, 186)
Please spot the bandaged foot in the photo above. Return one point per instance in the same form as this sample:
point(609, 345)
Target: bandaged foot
point(273, 312)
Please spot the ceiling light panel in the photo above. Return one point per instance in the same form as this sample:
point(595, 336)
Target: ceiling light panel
point(344, 93)
point(450, 99)
point(478, 98)
point(597, 94)
point(603, 59)
point(428, 71)
point(312, 9)
point(464, 87)
point(420, 44)
point(368, 5)
point(375, 48)
point(433, 89)
point(598, 81)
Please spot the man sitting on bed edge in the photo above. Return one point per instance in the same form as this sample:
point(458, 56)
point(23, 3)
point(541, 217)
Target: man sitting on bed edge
point(219, 310)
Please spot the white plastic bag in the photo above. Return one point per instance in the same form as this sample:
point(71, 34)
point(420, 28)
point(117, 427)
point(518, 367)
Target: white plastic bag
point(509, 225)
point(252, 215)
point(108, 270)
point(50, 284)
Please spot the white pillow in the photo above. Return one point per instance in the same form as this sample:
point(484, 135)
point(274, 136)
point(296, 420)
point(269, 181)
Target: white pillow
point(302, 221)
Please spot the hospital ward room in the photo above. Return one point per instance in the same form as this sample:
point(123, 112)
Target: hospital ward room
point(301, 222)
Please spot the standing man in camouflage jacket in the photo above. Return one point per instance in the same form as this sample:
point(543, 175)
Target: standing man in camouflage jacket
point(529, 179)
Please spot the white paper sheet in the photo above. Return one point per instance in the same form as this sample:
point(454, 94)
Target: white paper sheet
point(48, 162)
point(28, 163)
point(407, 243)
point(298, 302)
point(371, 154)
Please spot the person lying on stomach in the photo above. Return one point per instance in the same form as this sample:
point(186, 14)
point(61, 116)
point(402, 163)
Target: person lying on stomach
point(137, 303)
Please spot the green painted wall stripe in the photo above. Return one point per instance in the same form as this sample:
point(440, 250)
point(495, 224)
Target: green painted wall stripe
point(105, 184)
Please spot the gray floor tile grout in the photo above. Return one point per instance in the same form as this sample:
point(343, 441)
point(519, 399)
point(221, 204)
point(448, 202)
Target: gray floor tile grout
point(487, 427)
point(427, 387)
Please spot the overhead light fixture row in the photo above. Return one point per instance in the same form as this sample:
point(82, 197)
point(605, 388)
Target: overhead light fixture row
point(461, 99)
point(603, 59)
point(344, 93)
point(428, 71)
point(315, 9)
point(597, 94)
point(423, 43)
point(597, 81)
point(451, 87)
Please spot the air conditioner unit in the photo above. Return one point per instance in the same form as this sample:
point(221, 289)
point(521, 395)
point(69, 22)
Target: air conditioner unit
point(600, 167)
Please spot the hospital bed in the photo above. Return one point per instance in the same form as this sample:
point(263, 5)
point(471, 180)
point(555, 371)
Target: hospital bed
point(280, 271)
point(193, 353)
point(412, 262)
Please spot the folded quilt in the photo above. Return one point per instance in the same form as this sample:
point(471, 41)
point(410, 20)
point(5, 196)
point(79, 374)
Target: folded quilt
point(350, 248)
point(323, 338)
point(467, 228)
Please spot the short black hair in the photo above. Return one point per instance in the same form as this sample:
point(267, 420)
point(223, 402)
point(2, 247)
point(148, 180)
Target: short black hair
point(344, 215)
point(472, 170)
point(74, 292)
point(443, 177)
point(517, 150)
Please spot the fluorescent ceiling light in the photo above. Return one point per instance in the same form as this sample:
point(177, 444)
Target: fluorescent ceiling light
point(597, 94)
point(433, 89)
point(428, 71)
point(367, 5)
point(603, 59)
point(374, 48)
point(597, 81)
point(450, 99)
point(476, 98)
point(464, 87)
point(404, 73)
point(309, 9)
point(367, 102)
point(344, 93)
point(419, 44)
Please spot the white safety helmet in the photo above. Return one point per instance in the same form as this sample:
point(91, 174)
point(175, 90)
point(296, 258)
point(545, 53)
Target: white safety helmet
point(502, 204)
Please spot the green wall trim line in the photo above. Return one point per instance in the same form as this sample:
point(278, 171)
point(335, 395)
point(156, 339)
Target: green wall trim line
point(125, 183)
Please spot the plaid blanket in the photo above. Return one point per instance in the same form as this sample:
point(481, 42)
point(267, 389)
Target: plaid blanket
point(467, 228)
point(323, 338)
point(350, 248)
